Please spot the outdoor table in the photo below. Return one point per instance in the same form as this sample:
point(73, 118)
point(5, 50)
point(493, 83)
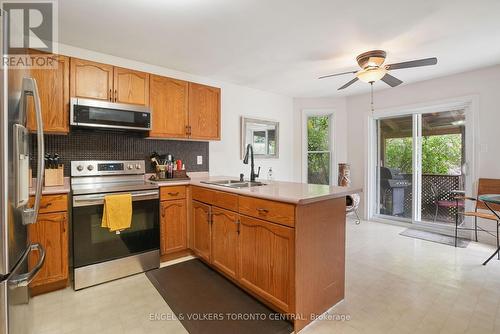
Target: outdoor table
point(488, 200)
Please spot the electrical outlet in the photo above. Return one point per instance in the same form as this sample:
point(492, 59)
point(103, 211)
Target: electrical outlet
point(199, 160)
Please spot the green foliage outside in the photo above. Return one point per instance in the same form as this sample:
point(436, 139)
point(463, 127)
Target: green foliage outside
point(441, 154)
point(318, 140)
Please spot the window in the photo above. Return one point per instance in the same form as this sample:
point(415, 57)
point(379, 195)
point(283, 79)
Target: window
point(319, 155)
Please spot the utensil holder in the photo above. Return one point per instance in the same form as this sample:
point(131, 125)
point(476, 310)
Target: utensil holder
point(54, 176)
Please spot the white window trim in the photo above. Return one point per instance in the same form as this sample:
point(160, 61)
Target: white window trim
point(469, 103)
point(333, 143)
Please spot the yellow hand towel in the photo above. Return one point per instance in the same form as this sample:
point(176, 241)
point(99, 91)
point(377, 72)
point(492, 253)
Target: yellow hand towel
point(117, 214)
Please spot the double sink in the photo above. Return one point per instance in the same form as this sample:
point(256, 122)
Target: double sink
point(235, 183)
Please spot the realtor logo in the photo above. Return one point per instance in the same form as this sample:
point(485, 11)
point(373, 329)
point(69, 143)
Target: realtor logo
point(31, 28)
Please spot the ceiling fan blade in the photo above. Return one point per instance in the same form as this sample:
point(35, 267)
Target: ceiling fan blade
point(412, 63)
point(334, 75)
point(349, 83)
point(391, 81)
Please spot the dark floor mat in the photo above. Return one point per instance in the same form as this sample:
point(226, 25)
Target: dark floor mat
point(435, 237)
point(193, 288)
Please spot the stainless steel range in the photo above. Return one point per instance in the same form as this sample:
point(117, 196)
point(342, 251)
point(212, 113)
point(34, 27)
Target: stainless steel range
point(98, 254)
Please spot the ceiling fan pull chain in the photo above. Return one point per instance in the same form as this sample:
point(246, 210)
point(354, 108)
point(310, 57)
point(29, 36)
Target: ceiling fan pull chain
point(371, 84)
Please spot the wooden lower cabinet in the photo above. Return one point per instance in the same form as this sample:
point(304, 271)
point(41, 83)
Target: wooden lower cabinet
point(50, 231)
point(257, 254)
point(201, 230)
point(289, 256)
point(173, 226)
point(266, 261)
point(225, 231)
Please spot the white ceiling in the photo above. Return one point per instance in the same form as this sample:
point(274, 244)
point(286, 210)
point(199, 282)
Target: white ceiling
point(284, 45)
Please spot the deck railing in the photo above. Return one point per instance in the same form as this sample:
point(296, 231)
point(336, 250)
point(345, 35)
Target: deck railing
point(435, 187)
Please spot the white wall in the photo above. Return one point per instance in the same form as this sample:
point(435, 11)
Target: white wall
point(351, 130)
point(338, 107)
point(484, 84)
point(235, 101)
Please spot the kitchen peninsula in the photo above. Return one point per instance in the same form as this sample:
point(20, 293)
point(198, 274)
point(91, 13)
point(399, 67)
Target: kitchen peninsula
point(282, 242)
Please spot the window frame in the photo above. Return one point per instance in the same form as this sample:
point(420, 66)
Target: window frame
point(331, 144)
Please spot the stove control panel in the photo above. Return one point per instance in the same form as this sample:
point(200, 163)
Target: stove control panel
point(98, 168)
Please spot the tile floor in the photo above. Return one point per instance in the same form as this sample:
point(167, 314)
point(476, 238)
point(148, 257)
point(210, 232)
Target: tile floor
point(394, 284)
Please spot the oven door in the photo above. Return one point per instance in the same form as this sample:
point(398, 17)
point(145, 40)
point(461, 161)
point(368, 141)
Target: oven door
point(94, 244)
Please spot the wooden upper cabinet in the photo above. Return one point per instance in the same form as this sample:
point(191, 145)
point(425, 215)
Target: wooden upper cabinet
point(50, 231)
point(270, 273)
point(204, 112)
point(173, 225)
point(91, 80)
point(169, 107)
point(130, 86)
point(200, 217)
point(225, 230)
point(53, 87)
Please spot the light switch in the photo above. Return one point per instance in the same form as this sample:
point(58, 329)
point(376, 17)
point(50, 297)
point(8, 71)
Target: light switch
point(199, 160)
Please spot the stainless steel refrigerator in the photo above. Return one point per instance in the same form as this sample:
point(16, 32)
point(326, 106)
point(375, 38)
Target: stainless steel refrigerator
point(16, 87)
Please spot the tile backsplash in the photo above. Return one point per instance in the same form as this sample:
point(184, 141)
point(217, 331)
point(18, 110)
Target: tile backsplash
point(82, 144)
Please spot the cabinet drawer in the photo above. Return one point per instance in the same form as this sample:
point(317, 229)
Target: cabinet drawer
point(51, 203)
point(202, 194)
point(171, 193)
point(218, 198)
point(278, 212)
point(226, 200)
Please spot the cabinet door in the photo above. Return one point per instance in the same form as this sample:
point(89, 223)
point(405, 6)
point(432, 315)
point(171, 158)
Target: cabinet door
point(201, 230)
point(266, 261)
point(204, 112)
point(91, 80)
point(169, 107)
point(173, 226)
point(53, 86)
point(130, 86)
point(50, 231)
point(225, 230)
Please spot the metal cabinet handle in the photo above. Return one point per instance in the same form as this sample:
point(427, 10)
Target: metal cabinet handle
point(116, 95)
point(238, 224)
point(27, 278)
point(30, 88)
point(110, 95)
point(264, 211)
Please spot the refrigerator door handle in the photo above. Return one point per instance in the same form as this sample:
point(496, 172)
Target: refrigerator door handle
point(25, 279)
point(30, 88)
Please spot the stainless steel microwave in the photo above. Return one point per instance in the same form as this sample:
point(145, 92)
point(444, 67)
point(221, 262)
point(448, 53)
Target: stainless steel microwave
point(110, 115)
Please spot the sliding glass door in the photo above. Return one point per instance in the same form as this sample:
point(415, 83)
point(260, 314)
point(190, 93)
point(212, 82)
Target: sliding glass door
point(443, 161)
point(395, 166)
point(420, 165)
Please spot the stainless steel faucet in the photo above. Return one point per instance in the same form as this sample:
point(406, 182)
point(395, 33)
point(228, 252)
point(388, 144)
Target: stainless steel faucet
point(249, 152)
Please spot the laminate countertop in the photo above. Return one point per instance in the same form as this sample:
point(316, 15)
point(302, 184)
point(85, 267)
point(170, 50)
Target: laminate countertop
point(290, 192)
point(64, 189)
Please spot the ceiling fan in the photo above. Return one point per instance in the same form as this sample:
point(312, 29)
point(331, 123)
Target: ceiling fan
point(372, 68)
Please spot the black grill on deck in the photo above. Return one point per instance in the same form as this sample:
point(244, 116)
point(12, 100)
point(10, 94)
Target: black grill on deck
point(392, 191)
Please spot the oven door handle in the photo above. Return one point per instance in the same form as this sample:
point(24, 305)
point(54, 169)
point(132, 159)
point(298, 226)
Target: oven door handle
point(87, 200)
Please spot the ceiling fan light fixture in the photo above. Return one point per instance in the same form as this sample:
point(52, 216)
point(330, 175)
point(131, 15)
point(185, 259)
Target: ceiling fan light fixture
point(371, 74)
